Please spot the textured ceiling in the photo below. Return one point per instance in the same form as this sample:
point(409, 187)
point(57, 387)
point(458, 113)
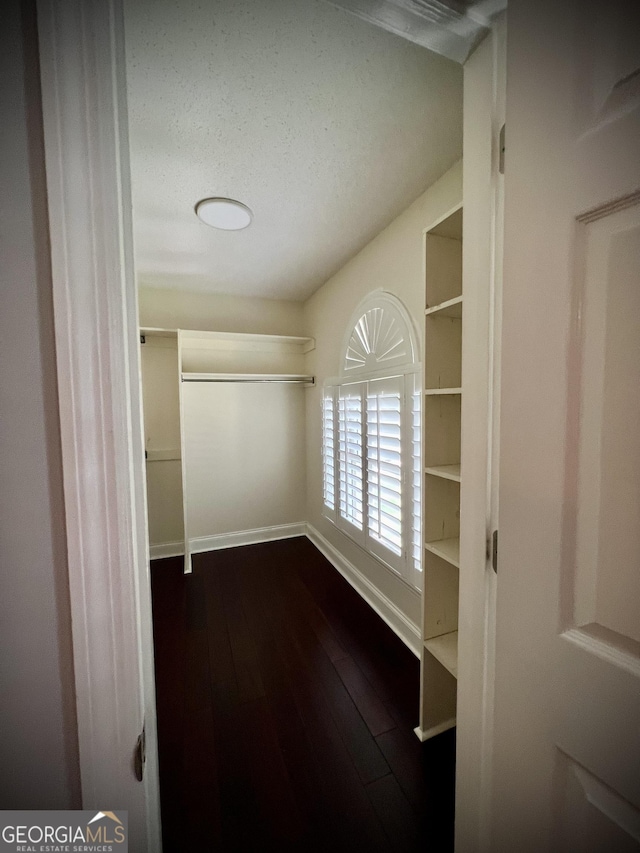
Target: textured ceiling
point(325, 126)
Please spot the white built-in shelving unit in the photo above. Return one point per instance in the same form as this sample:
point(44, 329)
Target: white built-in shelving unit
point(231, 360)
point(193, 380)
point(160, 395)
point(442, 474)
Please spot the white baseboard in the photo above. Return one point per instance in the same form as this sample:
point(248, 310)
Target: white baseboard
point(386, 609)
point(435, 730)
point(247, 537)
point(228, 540)
point(166, 549)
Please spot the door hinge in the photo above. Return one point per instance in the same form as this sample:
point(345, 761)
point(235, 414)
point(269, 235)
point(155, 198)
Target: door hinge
point(501, 150)
point(140, 755)
point(492, 550)
point(143, 339)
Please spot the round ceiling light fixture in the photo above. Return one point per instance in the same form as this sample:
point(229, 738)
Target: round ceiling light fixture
point(224, 213)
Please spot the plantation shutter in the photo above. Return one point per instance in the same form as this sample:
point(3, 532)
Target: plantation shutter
point(416, 484)
point(384, 468)
point(350, 458)
point(328, 451)
point(371, 432)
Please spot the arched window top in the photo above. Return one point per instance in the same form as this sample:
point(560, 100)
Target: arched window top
point(380, 336)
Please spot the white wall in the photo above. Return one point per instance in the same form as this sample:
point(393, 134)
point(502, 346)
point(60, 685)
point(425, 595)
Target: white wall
point(244, 456)
point(393, 262)
point(38, 742)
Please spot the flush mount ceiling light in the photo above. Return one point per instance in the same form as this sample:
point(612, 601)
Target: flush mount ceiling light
point(224, 213)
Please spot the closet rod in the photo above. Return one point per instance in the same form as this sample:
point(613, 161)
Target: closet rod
point(289, 380)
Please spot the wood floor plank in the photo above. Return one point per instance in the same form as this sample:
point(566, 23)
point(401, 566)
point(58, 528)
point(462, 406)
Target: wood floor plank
point(201, 815)
point(169, 636)
point(240, 637)
point(370, 706)
point(340, 783)
point(395, 813)
point(403, 752)
point(296, 749)
point(285, 712)
point(349, 806)
point(365, 753)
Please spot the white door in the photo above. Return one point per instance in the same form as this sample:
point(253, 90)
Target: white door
point(567, 712)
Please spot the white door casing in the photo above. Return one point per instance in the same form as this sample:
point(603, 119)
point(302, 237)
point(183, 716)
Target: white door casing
point(95, 318)
point(567, 705)
point(483, 188)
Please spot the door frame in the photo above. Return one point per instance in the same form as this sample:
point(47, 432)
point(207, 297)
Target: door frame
point(82, 60)
point(96, 335)
point(484, 110)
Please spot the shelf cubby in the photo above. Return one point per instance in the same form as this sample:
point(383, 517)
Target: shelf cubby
point(443, 269)
point(159, 363)
point(438, 688)
point(449, 308)
point(442, 518)
point(441, 584)
point(447, 549)
point(445, 650)
point(447, 472)
point(442, 429)
point(443, 352)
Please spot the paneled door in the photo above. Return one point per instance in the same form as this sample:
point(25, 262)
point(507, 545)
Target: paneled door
point(567, 710)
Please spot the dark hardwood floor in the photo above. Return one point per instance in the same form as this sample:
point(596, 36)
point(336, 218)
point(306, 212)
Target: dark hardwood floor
point(285, 712)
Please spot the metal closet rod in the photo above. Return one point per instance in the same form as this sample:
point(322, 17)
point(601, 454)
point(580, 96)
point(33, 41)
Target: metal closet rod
point(305, 380)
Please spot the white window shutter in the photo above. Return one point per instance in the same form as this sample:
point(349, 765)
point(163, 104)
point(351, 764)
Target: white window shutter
point(351, 459)
point(329, 451)
point(416, 481)
point(384, 444)
point(373, 491)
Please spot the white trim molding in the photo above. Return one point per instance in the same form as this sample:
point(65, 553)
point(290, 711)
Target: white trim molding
point(408, 632)
point(434, 730)
point(96, 339)
point(166, 549)
point(217, 541)
point(246, 537)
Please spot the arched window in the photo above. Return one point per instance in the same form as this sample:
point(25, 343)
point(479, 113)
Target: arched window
point(371, 437)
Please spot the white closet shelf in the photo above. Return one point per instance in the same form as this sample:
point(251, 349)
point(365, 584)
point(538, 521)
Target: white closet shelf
point(447, 549)
point(447, 472)
point(246, 342)
point(169, 455)
point(445, 650)
point(293, 378)
point(450, 308)
point(158, 332)
point(430, 392)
